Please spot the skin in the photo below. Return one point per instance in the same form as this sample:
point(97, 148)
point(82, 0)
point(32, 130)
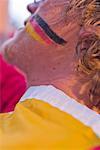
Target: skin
point(52, 64)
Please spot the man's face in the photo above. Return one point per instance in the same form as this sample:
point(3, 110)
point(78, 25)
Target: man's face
point(25, 51)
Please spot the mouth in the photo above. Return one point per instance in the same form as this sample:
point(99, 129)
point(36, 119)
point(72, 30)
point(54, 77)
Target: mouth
point(26, 21)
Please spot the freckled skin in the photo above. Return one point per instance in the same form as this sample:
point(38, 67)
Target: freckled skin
point(52, 64)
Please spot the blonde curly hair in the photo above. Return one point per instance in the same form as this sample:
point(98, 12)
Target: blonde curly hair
point(88, 46)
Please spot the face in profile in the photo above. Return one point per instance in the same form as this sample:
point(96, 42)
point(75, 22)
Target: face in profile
point(45, 48)
point(49, 28)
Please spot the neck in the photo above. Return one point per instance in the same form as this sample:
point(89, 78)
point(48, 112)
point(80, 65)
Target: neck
point(78, 91)
point(51, 71)
point(74, 87)
point(68, 81)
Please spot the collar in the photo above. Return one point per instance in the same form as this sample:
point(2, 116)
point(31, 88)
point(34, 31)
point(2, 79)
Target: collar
point(60, 100)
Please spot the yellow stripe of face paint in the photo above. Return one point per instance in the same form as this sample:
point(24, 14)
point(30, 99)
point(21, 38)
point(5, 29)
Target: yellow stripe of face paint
point(33, 33)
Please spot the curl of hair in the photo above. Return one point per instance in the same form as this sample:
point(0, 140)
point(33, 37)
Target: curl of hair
point(88, 46)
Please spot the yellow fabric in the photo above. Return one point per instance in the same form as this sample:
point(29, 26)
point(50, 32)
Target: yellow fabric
point(37, 125)
point(33, 33)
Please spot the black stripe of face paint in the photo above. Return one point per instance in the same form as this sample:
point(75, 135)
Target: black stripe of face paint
point(48, 31)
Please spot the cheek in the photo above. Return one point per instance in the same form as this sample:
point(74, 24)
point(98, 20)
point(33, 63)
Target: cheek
point(23, 53)
point(54, 13)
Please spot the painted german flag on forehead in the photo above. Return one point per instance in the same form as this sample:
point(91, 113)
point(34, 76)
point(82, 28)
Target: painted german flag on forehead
point(41, 31)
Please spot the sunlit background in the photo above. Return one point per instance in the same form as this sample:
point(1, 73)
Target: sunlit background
point(18, 11)
point(13, 13)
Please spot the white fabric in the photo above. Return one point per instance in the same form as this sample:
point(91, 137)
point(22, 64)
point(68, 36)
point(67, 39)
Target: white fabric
point(59, 99)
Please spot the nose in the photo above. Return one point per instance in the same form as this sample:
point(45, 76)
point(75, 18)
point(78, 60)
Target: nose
point(32, 7)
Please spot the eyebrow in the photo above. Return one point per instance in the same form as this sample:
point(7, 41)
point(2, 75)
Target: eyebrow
point(51, 34)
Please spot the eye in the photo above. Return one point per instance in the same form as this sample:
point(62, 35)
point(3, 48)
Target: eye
point(39, 1)
point(36, 1)
point(20, 28)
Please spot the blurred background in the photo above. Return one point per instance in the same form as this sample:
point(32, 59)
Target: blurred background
point(17, 11)
point(12, 15)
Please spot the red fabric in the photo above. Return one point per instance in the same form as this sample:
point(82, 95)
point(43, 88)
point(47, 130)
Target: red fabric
point(12, 86)
point(96, 148)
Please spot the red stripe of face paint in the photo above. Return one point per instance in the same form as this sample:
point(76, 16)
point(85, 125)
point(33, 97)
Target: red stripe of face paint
point(41, 32)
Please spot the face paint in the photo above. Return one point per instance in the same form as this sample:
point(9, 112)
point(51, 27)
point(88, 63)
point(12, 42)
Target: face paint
point(32, 32)
point(41, 31)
